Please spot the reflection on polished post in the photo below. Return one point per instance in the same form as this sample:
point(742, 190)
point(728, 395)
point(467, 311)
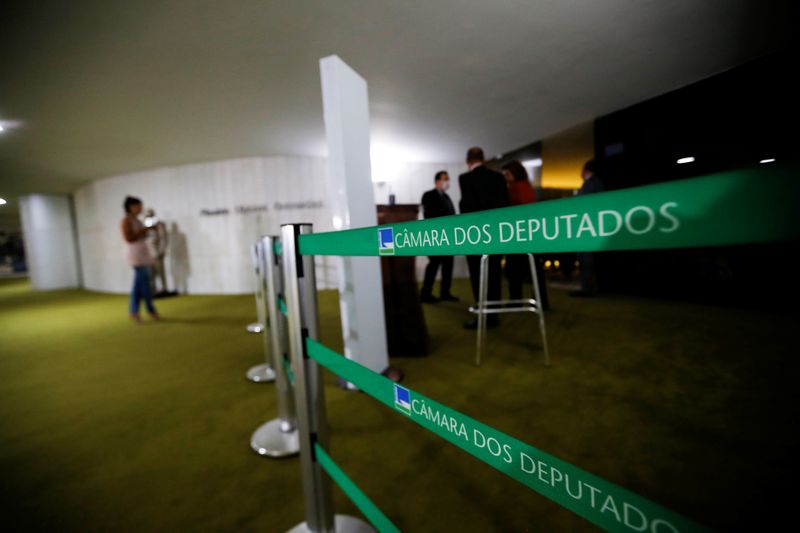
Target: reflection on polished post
point(262, 373)
point(278, 437)
point(537, 308)
point(300, 292)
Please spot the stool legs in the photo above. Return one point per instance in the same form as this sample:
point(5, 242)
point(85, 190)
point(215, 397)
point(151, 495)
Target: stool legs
point(539, 311)
point(483, 287)
point(482, 307)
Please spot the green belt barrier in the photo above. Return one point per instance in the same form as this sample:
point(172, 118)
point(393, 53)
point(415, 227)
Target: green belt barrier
point(370, 510)
point(282, 307)
point(287, 368)
point(748, 206)
point(601, 502)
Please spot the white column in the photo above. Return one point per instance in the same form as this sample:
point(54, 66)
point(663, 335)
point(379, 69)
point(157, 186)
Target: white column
point(49, 234)
point(346, 108)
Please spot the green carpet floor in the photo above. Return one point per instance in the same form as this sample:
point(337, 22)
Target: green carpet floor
point(106, 426)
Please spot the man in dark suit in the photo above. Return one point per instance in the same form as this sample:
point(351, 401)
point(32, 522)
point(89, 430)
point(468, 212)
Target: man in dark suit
point(482, 189)
point(591, 184)
point(436, 203)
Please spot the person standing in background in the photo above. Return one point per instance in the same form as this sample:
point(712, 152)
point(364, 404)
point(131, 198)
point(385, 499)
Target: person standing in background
point(520, 191)
point(157, 244)
point(437, 203)
point(591, 184)
point(135, 235)
point(482, 189)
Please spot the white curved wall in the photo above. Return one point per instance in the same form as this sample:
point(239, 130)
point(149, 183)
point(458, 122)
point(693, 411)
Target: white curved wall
point(49, 233)
point(209, 254)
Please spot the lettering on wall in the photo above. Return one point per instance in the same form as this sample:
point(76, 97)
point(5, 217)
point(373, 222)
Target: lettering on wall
point(260, 208)
point(297, 205)
point(214, 212)
point(247, 209)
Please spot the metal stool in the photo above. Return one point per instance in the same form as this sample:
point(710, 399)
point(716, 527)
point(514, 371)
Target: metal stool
point(490, 307)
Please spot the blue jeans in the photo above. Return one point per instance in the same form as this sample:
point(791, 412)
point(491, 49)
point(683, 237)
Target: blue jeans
point(141, 290)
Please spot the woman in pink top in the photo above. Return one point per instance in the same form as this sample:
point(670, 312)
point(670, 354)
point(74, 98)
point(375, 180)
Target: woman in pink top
point(135, 234)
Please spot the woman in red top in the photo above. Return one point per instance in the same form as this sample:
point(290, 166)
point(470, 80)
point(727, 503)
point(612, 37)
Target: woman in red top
point(520, 191)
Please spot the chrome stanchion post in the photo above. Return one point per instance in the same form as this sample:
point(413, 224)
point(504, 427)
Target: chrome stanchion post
point(259, 324)
point(278, 437)
point(298, 281)
point(264, 372)
point(300, 291)
point(539, 309)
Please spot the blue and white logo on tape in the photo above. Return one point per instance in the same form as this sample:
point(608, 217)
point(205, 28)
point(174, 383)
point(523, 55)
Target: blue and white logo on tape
point(385, 241)
point(402, 399)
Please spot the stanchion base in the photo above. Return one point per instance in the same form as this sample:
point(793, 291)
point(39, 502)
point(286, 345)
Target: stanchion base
point(262, 373)
point(255, 327)
point(342, 523)
point(346, 385)
point(268, 440)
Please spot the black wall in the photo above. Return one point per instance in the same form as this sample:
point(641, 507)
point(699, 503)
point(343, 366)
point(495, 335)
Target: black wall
point(727, 122)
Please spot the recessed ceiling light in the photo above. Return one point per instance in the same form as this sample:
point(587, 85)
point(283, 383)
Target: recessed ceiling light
point(769, 160)
point(684, 160)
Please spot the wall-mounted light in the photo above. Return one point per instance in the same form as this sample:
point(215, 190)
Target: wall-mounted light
point(684, 160)
point(768, 160)
point(8, 125)
point(387, 161)
point(2, 201)
point(532, 162)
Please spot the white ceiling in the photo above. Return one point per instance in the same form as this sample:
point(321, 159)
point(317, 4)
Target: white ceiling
point(106, 87)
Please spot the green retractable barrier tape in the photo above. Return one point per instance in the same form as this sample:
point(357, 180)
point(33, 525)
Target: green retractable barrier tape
point(356, 495)
point(747, 206)
point(601, 502)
